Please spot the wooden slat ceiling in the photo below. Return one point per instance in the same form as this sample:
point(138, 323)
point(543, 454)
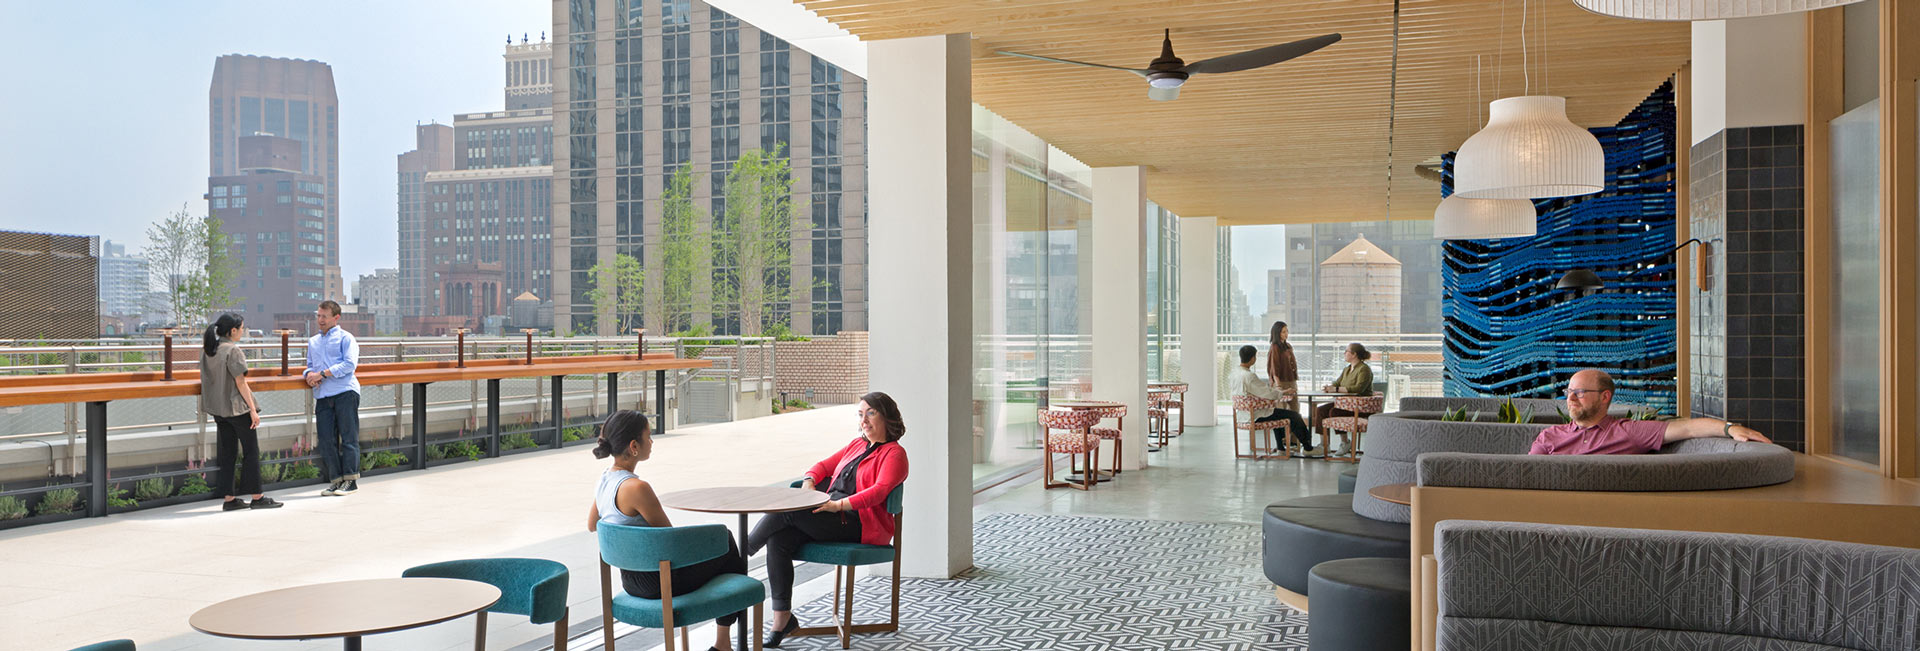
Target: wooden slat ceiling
point(1302, 141)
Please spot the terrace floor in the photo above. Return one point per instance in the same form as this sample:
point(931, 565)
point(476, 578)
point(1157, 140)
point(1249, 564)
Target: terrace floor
point(140, 575)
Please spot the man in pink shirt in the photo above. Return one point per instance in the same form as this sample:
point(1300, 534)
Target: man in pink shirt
point(1592, 431)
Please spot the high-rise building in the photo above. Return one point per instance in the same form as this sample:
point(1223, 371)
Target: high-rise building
point(433, 152)
point(277, 217)
point(474, 201)
point(692, 85)
point(123, 281)
point(291, 99)
point(379, 294)
point(1411, 242)
point(529, 70)
point(47, 286)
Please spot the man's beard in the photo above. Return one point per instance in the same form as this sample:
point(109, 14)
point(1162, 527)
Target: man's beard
point(1590, 412)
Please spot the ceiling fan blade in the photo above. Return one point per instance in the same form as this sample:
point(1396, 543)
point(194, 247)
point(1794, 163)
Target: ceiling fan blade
point(1265, 56)
point(1163, 94)
point(1037, 57)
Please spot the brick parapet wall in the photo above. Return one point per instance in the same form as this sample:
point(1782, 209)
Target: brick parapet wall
point(835, 368)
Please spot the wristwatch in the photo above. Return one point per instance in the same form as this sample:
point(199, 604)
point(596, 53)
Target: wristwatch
point(1728, 430)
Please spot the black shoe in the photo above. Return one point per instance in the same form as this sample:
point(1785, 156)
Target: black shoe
point(234, 504)
point(773, 640)
point(265, 503)
point(347, 488)
point(333, 488)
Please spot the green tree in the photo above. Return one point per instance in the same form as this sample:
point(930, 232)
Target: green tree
point(209, 287)
point(618, 287)
point(756, 237)
point(173, 252)
point(685, 249)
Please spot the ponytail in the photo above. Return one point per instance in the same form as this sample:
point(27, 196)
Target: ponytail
point(221, 328)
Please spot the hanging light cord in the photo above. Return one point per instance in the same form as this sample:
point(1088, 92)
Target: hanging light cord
point(1525, 73)
point(1393, 89)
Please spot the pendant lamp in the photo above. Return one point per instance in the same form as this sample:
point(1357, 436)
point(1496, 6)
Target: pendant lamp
point(1460, 218)
point(1529, 150)
point(1702, 9)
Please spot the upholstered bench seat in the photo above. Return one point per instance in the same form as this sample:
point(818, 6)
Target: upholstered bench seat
point(1303, 532)
point(1360, 604)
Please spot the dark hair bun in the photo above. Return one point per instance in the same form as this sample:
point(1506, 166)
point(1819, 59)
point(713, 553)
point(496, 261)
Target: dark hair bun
point(603, 449)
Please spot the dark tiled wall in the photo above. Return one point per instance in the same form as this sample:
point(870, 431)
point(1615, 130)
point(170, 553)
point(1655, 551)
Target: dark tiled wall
point(1748, 352)
point(1766, 314)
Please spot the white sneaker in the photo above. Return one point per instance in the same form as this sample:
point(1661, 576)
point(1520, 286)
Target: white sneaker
point(1318, 452)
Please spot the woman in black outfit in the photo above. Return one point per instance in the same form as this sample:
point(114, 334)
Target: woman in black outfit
point(624, 498)
point(225, 396)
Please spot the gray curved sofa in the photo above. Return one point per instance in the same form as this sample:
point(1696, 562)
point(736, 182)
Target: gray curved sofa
point(1696, 464)
point(1509, 585)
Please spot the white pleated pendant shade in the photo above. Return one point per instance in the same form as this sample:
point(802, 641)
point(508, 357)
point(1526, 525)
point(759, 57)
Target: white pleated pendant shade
point(1529, 150)
point(1702, 9)
point(1460, 218)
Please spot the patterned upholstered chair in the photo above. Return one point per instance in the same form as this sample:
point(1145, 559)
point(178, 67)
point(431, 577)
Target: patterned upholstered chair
point(534, 587)
point(1067, 433)
point(1351, 427)
point(1260, 435)
point(1157, 419)
point(1177, 400)
point(1119, 416)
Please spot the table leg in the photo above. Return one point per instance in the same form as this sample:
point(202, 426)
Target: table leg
point(352, 642)
point(741, 642)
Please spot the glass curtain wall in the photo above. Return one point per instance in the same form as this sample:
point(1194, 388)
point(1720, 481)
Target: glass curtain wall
point(1032, 209)
point(1163, 294)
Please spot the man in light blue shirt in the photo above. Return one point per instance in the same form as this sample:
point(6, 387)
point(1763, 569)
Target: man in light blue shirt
point(331, 358)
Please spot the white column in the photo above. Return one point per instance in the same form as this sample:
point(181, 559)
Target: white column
point(1750, 72)
point(920, 243)
point(1199, 314)
point(1120, 300)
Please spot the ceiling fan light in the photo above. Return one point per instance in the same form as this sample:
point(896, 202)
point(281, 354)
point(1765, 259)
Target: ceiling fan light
point(1460, 218)
point(1166, 79)
point(1529, 150)
point(1702, 9)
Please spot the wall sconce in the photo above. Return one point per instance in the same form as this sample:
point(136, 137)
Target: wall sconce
point(1586, 279)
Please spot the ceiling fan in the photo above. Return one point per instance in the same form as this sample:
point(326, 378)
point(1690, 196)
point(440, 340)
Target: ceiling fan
point(1166, 74)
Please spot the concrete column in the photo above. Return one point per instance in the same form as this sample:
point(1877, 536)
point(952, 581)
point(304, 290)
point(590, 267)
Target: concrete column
point(1199, 314)
point(920, 243)
point(1119, 256)
point(1750, 72)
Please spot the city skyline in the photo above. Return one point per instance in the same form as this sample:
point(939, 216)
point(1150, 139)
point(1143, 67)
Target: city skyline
point(402, 63)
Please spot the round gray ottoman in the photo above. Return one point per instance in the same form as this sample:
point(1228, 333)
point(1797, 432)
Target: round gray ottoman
point(1360, 604)
point(1302, 532)
point(1349, 478)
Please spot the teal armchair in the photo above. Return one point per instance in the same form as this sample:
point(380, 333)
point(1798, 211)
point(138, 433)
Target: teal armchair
point(846, 556)
point(534, 587)
point(109, 645)
point(660, 549)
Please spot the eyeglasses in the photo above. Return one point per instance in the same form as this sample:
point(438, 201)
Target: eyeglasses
point(1580, 393)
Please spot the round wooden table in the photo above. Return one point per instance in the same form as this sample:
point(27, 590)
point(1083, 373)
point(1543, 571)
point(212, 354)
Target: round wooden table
point(1396, 493)
point(1081, 404)
point(744, 500)
point(345, 609)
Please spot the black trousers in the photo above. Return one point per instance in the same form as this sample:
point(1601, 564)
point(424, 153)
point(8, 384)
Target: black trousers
point(646, 585)
point(236, 438)
point(782, 534)
point(1296, 425)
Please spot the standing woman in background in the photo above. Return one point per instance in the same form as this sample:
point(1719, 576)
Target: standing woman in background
point(225, 396)
point(1284, 371)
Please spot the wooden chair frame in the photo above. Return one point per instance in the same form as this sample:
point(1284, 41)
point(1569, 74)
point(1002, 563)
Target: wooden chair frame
point(1090, 455)
point(843, 625)
point(666, 610)
point(1353, 444)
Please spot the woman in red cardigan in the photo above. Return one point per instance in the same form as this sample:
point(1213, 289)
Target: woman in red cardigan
point(857, 480)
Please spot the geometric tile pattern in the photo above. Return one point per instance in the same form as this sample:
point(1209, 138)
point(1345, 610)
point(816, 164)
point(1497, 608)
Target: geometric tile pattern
point(1069, 582)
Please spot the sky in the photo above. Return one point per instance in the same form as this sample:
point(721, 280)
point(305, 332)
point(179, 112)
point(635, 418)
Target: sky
point(104, 127)
point(1255, 250)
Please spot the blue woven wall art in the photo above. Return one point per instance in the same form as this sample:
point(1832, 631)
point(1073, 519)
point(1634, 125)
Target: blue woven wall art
point(1510, 333)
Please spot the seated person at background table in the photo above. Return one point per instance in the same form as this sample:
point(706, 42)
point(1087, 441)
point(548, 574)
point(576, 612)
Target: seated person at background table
point(857, 480)
point(1247, 383)
point(1355, 380)
point(1592, 431)
point(624, 498)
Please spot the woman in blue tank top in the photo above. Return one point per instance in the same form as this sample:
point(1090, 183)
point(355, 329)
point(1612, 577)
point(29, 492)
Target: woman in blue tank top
point(626, 499)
